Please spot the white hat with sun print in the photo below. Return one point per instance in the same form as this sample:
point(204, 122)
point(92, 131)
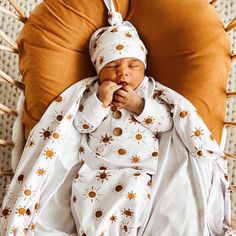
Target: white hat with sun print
point(119, 40)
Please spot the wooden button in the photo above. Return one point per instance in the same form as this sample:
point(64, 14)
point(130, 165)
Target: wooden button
point(117, 114)
point(117, 131)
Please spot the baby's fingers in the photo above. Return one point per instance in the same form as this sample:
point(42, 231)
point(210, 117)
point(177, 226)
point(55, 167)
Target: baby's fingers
point(118, 98)
point(127, 88)
point(107, 83)
point(115, 87)
point(122, 93)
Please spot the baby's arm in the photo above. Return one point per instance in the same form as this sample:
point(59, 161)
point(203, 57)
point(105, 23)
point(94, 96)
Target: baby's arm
point(152, 113)
point(155, 115)
point(90, 114)
point(95, 108)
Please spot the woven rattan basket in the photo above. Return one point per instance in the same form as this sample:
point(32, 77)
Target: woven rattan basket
point(12, 17)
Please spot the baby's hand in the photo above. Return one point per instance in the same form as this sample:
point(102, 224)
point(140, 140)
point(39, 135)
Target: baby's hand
point(106, 90)
point(127, 98)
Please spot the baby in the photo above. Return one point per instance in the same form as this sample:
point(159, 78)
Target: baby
point(121, 117)
point(92, 162)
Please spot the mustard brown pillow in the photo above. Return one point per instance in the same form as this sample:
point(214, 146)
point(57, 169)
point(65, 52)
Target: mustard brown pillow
point(189, 51)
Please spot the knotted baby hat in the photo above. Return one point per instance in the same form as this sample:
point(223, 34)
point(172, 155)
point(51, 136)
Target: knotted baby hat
point(119, 40)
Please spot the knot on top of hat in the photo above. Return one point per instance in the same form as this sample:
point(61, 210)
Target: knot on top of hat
point(115, 18)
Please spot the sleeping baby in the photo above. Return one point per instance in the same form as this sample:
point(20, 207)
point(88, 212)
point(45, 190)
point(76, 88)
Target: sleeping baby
point(119, 154)
point(121, 117)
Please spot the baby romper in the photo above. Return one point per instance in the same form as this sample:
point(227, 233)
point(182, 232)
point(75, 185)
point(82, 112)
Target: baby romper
point(119, 151)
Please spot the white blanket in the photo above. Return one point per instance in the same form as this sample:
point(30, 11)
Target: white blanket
point(191, 194)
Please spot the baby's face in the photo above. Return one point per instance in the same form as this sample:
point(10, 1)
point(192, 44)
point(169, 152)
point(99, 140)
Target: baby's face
point(126, 71)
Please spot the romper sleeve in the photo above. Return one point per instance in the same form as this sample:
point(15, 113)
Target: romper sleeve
point(90, 114)
point(155, 116)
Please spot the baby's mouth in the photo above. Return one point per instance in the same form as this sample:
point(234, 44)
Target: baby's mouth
point(123, 83)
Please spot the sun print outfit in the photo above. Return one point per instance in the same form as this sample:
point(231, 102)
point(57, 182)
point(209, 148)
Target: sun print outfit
point(190, 188)
point(112, 191)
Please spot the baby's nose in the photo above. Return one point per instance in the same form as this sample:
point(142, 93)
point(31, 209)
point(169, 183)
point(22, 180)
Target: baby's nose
point(122, 73)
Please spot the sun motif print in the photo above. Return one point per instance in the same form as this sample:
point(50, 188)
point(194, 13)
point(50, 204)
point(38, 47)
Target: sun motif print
point(110, 193)
point(120, 151)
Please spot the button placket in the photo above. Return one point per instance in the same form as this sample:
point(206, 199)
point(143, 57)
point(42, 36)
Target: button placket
point(118, 123)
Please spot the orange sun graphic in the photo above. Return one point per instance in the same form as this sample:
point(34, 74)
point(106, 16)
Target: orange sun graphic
point(102, 176)
point(136, 175)
point(135, 159)
point(199, 152)
point(98, 152)
point(21, 211)
point(69, 116)
point(138, 136)
point(149, 120)
point(113, 218)
point(79, 177)
point(57, 136)
point(119, 48)
point(128, 35)
point(92, 194)
point(57, 117)
point(49, 153)
point(6, 212)
point(197, 133)
point(98, 214)
point(126, 228)
point(45, 133)
point(121, 151)
point(127, 213)
point(106, 139)
point(102, 167)
point(131, 195)
point(40, 172)
point(27, 192)
point(118, 187)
